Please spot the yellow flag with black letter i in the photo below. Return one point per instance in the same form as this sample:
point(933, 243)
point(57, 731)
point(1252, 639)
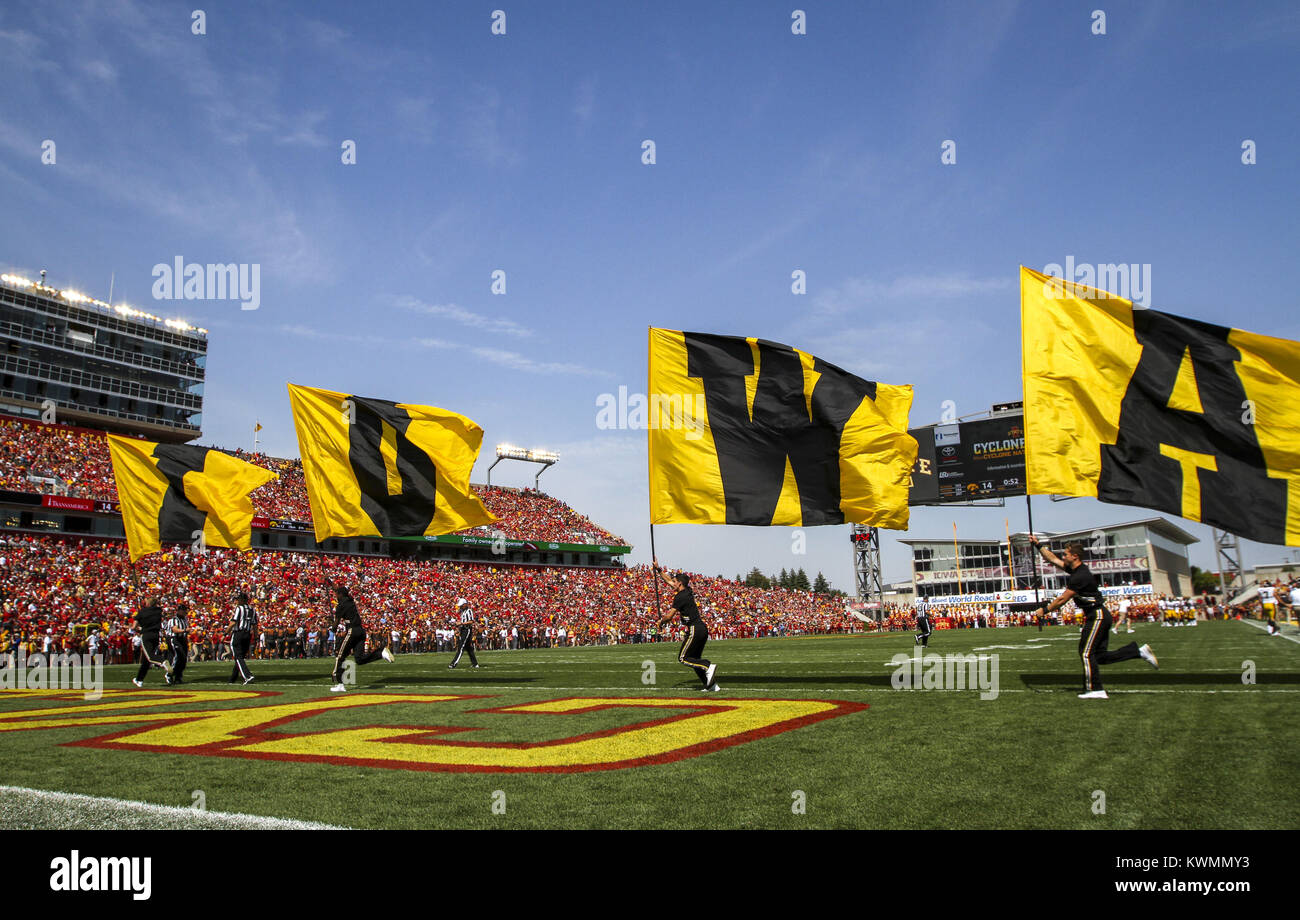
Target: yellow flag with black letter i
point(747, 431)
point(177, 493)
point(376, 468)
point(1140, 407)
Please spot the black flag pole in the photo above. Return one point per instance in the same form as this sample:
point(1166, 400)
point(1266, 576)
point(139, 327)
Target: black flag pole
point(1033, 557)
point(650, 486)
point(654, 576)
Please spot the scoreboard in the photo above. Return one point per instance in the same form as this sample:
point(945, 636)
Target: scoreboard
point(966, 461)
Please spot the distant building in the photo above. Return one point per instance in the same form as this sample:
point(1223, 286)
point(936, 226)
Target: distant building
point(1274, 571)
point(98, 365)
point(901, 593)
point(1136, 558)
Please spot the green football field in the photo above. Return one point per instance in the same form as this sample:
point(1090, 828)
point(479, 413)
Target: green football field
point(807, 733)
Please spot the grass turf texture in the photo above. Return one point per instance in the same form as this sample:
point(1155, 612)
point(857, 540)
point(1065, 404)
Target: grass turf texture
point(1188, 746)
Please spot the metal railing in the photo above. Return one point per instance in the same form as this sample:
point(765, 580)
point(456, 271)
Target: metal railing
point(40, 371)
point(49, 339)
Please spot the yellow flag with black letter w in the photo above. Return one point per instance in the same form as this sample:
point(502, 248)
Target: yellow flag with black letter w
point(746, 431)
point(376, 468)
point(1139, 407)
point(178, 493)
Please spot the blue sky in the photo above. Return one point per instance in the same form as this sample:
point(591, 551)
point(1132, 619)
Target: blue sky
point(522, 152)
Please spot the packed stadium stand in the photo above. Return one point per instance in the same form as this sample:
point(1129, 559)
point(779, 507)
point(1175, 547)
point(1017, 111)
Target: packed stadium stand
point(60, 589)
point(67, 589)
point(62, 592)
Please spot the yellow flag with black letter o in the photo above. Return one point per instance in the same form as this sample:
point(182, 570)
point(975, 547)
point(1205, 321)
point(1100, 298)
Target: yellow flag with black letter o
point(747, 431)
point(1140, 407)
point(178, 493)
point(376, 468)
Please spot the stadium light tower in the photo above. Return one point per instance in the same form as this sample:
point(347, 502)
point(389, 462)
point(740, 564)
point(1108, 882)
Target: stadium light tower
point(866, 567)
point(546, 458)
point(1228, 557)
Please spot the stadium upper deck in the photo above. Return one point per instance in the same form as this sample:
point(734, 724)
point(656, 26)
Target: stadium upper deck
point(96, 363)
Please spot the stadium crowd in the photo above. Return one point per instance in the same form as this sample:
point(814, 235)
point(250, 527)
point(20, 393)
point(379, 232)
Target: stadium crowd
point(61, 595)
point(75, 462)
point(64, 591)
point(535, 515)
point(71, 595)
point(53, 458)
point(284, 498)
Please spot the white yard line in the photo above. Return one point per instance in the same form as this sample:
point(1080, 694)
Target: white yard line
point(19, 805)
point(1265, 628)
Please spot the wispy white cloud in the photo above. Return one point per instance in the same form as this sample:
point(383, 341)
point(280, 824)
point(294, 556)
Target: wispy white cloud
point(1282, 28)
point(862, 293)
point(324, 335)
point(518, 362)
point(766, 239)
point(99, 70)
point(465, 317)
point(324, 35)
point(229, 108)
point(24, 51)
point(874, 350)
point(302, 129)
point(320, 335)
point(501, 357)
point(427, 342)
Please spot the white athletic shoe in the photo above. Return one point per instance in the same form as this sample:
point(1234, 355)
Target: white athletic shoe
point(708, 675)
point(338, 688)
point(715, 689)
point(1094, 695)
point(387, 655)
point(1130, 630)
point(250, 679)
point(1145, 652)
point(138, 682)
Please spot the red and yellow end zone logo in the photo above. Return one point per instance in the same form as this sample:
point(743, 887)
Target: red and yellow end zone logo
point(697, 726)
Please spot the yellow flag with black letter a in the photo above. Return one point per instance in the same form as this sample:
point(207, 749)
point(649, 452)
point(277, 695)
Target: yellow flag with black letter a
point(1144, 408)
point(375, 468)
point(177, 493)
point(746, 431)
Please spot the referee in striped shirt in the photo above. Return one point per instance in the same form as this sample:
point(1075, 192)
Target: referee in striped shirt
point(176, 629)
point(924, 627)
point(241, 637)
point(465, 642)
